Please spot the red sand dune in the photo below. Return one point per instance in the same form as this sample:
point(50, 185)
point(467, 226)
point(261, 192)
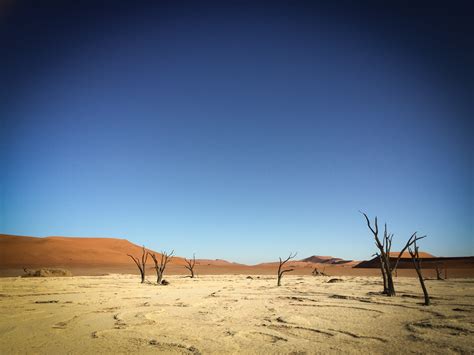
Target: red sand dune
point(216, 262)
point(19, 251)
point(319, 258)
point(406, 255)
point(95, 256)
point(327, 260)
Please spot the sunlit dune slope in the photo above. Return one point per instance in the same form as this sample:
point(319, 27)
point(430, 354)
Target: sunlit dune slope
point(19, 251)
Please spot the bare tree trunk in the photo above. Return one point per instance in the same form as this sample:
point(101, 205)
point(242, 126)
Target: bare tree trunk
point(388, 274)
point(438, 271)
point(390, 285)
point(141, 264)
point(190, 265)
point(281, 271)
point(416, 262)
point(161, 266)
point(384, 275)
point(423, 287)
point(384, 247)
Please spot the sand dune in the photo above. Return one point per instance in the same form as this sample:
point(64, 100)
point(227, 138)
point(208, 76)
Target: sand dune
point(54, 251)
point(327, 260)
point(406, 254)
point(230, 314)
point(99, 256)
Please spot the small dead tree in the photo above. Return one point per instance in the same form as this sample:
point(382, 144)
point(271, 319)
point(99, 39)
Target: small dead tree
point(161, 266)
point(439, 271)
point(415, 257)
point(141, 263)
point(385, 247)
point(283, 262)
point(316, 272)
point(190, 265)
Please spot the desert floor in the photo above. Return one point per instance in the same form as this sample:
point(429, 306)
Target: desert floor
point(233, 314)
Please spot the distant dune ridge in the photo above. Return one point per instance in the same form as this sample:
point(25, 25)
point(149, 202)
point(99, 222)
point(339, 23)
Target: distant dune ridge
point(79, 251)
point(406, 255)
point(428, 262)
point(97, 256)
point(65, 251)
point(326, 260)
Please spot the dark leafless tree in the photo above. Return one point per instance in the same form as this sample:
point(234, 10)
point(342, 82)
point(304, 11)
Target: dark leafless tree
point(283, 262)
point(316, 272)
point(417, 263)
point(161, 266)
point(439, 271)
point(141, 263)
point(190, 265)
point(385, 247)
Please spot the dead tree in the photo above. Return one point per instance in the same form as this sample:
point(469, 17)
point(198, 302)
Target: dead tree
point(280, 271)
point(385, 247)
point(415, 257)
point(161, 266)
point(190, 265)
point(141, 264)
point(316, 272)
point(439, 270)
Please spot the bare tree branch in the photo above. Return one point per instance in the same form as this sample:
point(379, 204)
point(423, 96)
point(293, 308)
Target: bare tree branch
point(141, 266)
point(161, 265)
point(412, 240)
point(415, 257)
point(190, 265)
point(283, 262)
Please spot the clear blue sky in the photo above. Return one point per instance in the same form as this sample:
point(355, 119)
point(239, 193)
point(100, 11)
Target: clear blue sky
point(241, 132)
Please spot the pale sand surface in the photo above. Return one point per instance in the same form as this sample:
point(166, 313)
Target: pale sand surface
point(233, 314)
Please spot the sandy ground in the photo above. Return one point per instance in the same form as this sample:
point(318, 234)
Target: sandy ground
point(233, 314)
point(268, 269)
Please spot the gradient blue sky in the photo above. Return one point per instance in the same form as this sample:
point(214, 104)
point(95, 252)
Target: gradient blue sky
point(241, 131)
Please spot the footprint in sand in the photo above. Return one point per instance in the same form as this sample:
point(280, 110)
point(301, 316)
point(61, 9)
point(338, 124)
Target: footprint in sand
point(133, 318)
point(119, 322)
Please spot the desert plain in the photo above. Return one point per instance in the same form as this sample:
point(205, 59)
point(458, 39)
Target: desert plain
point(228, 308)
point(228, 314)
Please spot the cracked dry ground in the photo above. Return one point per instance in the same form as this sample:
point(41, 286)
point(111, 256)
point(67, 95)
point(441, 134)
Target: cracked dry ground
point(233, 314)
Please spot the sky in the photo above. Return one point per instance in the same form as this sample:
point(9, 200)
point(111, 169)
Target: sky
point(238, 130)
